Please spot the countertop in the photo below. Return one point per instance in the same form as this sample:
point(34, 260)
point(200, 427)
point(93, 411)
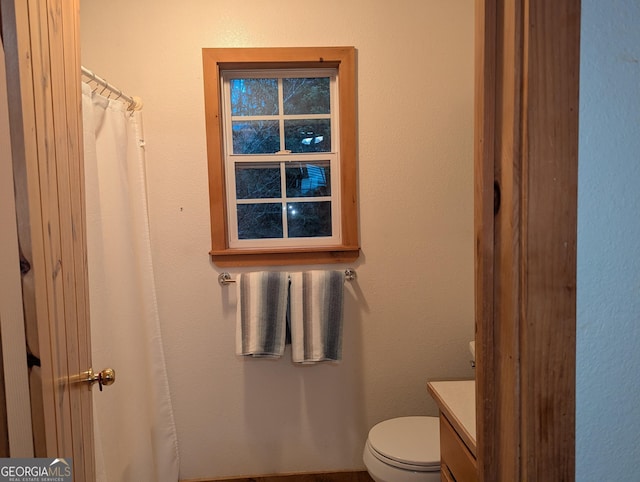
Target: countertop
point(456, 399)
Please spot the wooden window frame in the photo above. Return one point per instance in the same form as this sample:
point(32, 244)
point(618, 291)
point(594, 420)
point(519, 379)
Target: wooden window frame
point(341, 58)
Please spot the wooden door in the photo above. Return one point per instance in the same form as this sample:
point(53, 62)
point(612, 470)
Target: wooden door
point(43, 78)
point(526, 159)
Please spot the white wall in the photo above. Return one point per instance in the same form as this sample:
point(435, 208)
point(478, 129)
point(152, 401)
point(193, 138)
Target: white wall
point(608, 331)
point(409, 316)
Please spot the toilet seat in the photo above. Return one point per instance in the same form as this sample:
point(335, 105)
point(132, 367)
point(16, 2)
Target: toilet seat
point(410, 443)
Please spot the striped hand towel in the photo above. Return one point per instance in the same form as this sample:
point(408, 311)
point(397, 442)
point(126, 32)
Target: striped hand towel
point(315, 304)
point(262, 312)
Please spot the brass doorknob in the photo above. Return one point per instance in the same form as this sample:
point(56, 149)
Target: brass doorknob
point(104, 378)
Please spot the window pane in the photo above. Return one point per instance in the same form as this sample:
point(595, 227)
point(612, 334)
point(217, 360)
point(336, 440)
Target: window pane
point(306, 95)
point(254, 96)
point(308, 135)
point(308, 179)
point(259, 221)
point(256, 137)
point(257, 181)
point(309, 219)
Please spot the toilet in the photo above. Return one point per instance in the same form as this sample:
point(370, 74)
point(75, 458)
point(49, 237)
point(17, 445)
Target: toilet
point(404, 449)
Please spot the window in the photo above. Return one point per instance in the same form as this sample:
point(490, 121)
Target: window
point(278, 130)
point(281, 147)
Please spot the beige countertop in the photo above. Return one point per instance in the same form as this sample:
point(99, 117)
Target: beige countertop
point(456, 399)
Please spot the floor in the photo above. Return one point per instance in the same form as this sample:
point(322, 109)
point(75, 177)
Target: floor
point(323, 477)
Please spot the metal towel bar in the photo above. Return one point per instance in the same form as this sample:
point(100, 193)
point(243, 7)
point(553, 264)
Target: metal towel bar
point(225, 278)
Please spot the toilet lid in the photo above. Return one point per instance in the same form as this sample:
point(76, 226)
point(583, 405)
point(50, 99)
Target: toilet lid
point(413, 441)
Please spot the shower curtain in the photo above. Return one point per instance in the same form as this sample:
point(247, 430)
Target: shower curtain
point(133, 419)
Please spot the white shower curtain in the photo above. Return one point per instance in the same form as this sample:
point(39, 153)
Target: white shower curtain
point(134, 430)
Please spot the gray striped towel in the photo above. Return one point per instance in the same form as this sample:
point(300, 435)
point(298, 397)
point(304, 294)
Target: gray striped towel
point(262, 312)
point(315, 303)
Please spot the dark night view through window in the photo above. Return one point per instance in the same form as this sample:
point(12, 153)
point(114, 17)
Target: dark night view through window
point(279, 145)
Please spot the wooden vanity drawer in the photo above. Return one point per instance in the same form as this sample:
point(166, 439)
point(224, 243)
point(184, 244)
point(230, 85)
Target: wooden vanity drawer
point(455, 455)
point(445, 474)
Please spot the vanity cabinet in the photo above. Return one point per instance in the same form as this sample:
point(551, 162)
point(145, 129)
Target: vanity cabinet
point(456, 403)
point(457, 462)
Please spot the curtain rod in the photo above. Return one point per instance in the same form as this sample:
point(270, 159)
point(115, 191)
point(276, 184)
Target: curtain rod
point(135, 103)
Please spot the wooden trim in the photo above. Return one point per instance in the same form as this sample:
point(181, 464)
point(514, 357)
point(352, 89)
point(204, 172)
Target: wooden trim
point(43, 73)
point(346, 476)
point(66, 24)
point(549, 239)
point(19, 58)
point(12, 318)
point(484, 132)
point(231, 258)
point(497, 354)
point(342, 58)
point(242, 57)
point(4, 424)
point(526, 142)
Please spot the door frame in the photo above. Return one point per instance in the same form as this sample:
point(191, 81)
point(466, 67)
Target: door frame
point(526, 167)
point(42, 56)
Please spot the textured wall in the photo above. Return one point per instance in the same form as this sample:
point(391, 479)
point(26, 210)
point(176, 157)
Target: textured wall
point(409, 316)
point(608, 332)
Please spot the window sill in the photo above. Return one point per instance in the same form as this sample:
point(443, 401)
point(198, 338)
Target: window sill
point(289, 256)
